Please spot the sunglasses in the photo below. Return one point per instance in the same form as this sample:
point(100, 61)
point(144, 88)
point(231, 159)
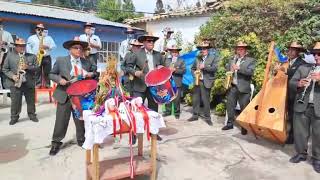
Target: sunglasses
point(316, 54)
point(149, 40)
point(77, 47)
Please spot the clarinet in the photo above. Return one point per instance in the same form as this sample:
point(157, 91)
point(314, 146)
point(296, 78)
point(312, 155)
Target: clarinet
point(301, 99)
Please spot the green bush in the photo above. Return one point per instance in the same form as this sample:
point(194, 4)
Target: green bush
point(220, 109)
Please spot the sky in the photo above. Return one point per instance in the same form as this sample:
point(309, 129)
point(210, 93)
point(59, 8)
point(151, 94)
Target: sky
point(145, 5)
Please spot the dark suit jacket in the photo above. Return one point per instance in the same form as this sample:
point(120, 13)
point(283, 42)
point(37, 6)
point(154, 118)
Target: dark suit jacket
point(180, 70)
point(290, 72)
point(138, 62)
point(62, 69)
point(244, 74)
point(210, 68)
point(303, 72)
point(10, 68)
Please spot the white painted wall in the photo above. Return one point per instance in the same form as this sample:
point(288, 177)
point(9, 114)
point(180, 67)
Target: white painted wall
point(189, 26)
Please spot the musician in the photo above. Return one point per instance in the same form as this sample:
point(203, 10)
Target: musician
point(242, 67)
point(295, 60)
point(65, 69)
point(93, 40)
point(19, 60)
point(206, 66)
point(135, 47)
point(33, 47)
point(125, 44)
point(210, 41)
point(178, 67)
point(306, 121)
point(5, 42)
point(166, 41)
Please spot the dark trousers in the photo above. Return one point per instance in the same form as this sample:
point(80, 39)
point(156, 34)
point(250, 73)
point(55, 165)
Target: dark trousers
point(62, 122)
point(43, 73)
point(93, 58)
point(3, 76)
point(234, 96)
point(304, 124)
point(201, 93)
point(151, 103)
point(176, 103)
point(16, 101)
point(290, 115)
point(128, 85)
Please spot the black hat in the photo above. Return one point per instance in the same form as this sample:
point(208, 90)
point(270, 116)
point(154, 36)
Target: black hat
point(147, 36)
point(75, 41)
point(88, 25)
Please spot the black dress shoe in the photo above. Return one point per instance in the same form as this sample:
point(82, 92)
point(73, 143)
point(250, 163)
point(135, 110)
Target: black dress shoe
point(13, 122)
point(193, 119)
point(298, 158)
point(209, 122)
point(244, 131)
point(166, 114)
point(159, 138)
point(34, 119)
point(80, 143)
point(134, 139)
point(227, 127)
point(55, 148)
point(177, 116)
point(316, 165)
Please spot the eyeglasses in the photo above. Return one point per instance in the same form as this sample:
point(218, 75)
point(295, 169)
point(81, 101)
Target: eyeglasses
point(149, 41)
point(317, 54)
point(77, 48)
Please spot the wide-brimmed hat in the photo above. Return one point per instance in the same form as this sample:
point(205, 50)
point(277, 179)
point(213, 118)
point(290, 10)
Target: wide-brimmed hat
point(130, 30)
point(39, 26)
point(242, 44)
point(88, 25)
point(75, 41)
point(147, 36)
point(203, 45)
point(316, 48)
point(135, 42)
point(296, 45)
point(174, 47)
point(20, 42)
point(168, 30)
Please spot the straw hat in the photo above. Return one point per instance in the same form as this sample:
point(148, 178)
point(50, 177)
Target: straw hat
point(296, 45)
point(203, 45)
point(316, 48)
point(20, 42)
point(174, 47)
point(147, 36)
point(242, 44)
point(40, 26)
point(135, 42)
point(75, 41)
point(168, 30)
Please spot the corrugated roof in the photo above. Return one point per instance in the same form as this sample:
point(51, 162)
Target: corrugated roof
point(54, 12)
point(214, 5)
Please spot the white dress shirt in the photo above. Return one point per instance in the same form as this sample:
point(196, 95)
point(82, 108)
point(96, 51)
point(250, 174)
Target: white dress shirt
point(311, 97)
point(33, 44)
point(124, 48)
point(149, 55)
point(6, 37)
point(75, 62)
point(235, 75)
point(160, 44)
point(94, 39)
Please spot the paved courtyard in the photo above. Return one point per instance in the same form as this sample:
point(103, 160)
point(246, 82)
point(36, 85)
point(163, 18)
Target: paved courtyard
point(189, 151)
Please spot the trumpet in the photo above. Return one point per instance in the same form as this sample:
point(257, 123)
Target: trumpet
point(41, 51)
point(197, 74)
point(21, 73)
point(301, 99)
point(229, 77)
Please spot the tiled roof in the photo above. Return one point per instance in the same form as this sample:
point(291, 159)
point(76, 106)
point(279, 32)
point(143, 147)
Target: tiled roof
point(214, 5)
point(55, 12)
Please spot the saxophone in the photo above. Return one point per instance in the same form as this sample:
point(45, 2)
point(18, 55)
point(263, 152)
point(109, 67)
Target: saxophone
point(41, 51)
point(21, 73)
point(88, 49)
point(197, 74)
point(229, 77)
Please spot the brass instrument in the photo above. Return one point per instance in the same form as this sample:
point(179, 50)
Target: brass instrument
point(41, 51)
point(229, 78)
point(21, 73)
point(88, 49)
point(197, 74)
point(3, 45)
point(301, 99)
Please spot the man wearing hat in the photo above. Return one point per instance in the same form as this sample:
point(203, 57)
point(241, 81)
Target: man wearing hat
point(63, 72)
point(178, 67)
point(5, 42)
point(125, 44)
point(166, 41)
point(93, 41)
point(33, 47)
point(127, 80)
point(18, 61)
point(306, 120)
point(205, 66)
point(242, 67)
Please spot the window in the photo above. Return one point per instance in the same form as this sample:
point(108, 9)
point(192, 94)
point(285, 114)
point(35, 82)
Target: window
point(108, 49)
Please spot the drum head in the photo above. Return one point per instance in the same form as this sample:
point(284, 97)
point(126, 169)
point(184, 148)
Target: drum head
point(82, 87)
point(158, 76)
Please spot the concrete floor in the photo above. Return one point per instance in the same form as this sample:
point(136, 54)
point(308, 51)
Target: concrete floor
point(189, 151)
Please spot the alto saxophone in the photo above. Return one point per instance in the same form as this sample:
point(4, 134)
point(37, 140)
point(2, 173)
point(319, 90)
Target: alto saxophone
point(229, 77)
point(41, 51)
point(197, 74)
point(21, 73)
